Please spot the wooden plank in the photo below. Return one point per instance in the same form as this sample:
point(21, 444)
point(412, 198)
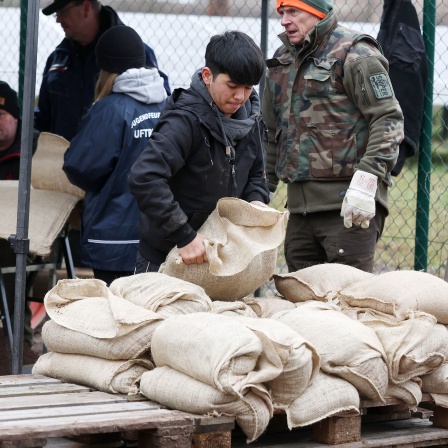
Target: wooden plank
point(14, 380)
point(41, 389)
point(95, 410)
point(60, 399)
point(85, 424)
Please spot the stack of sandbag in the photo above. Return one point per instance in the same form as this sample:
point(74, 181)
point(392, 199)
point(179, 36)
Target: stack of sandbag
point(213, 363)
point(268, 306)
point(96, 338)
point(347, 348)
point(408, 311)
point(241, 246)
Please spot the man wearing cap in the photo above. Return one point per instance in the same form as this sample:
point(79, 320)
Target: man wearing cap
point(334, 128)
point(10, 130)
point(71, 71)
point(10, 134)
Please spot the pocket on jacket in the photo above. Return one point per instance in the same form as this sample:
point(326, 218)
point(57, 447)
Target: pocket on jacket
point(332, 150)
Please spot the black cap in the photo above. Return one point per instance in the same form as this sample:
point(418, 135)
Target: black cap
point(8, 100)
point(119, 49)
point(53, 7)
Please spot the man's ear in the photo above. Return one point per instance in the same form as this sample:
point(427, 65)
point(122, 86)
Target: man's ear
point(207, 75)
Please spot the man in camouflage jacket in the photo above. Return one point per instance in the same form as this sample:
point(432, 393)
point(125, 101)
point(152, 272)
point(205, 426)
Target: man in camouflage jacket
point(334, 128)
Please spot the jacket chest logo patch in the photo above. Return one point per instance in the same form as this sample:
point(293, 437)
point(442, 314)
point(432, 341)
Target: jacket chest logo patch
point(381, 86)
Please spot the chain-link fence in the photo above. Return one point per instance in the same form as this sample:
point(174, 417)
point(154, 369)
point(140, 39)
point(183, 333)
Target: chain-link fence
point(178, 31)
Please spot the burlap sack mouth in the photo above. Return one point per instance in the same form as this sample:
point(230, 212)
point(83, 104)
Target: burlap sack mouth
point(242, 244)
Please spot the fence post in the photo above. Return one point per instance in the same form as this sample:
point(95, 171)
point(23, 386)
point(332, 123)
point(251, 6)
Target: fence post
point(425, 144)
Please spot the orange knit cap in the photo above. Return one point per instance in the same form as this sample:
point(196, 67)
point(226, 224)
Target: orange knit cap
point(316, 7)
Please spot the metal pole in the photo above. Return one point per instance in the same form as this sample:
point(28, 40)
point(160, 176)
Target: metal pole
point(425, 144)
point(20, 241)
point(22, 45)
point(264, 40)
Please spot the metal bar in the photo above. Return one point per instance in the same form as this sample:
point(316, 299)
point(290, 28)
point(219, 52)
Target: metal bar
point(264, 41)
point(425, 144)
point(20, 241)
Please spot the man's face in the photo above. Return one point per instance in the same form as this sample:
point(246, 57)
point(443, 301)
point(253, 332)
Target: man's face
point(8, 129)
point(297, 23)
point(71, 19)
point(226, 94)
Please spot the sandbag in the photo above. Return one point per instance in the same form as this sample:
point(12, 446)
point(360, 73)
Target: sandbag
point(89, 307)
point(168, 296)
point(327, 395)
point(119, 377)
point(236, 308)
point(436, 381)
point(409, 392)
point(128, 346)
point(346, 347)
point(319, 282)
point(399, 292)
point(215, 349)
point(266, 307)
point(241, 247)
point(179, 391)
point(300, 359)
point(414, 346)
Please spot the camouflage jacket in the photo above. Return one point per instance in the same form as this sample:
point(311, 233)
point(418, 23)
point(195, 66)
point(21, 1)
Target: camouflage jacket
point(330, 109)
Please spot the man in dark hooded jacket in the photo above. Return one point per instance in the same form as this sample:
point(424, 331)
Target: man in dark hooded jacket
point(207, 145)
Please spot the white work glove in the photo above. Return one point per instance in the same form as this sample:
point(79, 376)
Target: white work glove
point(358, 206)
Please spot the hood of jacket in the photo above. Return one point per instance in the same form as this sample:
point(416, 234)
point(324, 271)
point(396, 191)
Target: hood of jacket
point(143, 84)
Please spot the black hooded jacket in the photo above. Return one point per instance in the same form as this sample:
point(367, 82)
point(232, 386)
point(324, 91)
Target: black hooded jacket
point(184, 171)
point(403, 46)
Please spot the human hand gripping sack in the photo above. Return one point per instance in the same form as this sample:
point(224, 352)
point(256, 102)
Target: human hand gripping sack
point(358, 206)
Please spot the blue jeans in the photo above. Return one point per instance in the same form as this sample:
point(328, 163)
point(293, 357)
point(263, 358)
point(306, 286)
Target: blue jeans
point(142, 265)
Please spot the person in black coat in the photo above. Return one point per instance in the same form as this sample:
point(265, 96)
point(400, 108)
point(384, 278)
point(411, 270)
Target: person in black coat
point(206, 145)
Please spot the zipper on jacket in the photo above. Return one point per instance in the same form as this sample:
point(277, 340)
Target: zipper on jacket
point(362, 85)
point(230, 155)
point(209, 152)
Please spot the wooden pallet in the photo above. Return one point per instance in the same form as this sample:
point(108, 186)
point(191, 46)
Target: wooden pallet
point(36, 411)
point(390, 425)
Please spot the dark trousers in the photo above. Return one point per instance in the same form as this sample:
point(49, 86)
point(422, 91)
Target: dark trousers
point(109, 276)
point(142, 265)
point(321, 237)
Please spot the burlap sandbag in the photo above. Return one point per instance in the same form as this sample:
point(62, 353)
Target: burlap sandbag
point(414, 346)
point(120, 377)
point(128, 346)
point(346, 347)
point(48, 160)
point(242, 243)
point(236, 308)
point(88, 306)
point(436, 381)
point(327, 395)
point(399, 292)
point(319, 282)
point(300, 360)
point(217, 350)
point(178, 391)
point(266, 307)
point(168, 296)
point(409, 392)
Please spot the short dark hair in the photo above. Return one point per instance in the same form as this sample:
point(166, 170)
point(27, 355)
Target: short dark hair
point(236, 54)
